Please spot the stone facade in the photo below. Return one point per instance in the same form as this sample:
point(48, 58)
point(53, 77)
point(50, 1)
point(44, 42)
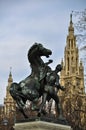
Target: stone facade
point(8, 110)
point(9, 103)
point(73, 99)
point(73, 71)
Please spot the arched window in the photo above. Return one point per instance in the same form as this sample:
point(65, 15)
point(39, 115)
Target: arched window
point(68, 63)
point(72, 43)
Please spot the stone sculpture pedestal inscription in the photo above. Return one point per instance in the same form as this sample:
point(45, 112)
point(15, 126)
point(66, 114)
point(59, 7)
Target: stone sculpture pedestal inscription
point(41, 125)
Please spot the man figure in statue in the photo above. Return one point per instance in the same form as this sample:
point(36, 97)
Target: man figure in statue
point(52, 82)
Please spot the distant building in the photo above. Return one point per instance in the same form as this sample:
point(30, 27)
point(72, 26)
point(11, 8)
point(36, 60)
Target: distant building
point(1, 112)
point(73, 71)
point(73, 99)
point(9, 103)
point(8, 110)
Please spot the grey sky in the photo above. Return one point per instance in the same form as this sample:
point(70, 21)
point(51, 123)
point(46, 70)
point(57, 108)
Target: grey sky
point(23, 22)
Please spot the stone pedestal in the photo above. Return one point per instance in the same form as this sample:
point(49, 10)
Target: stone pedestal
point(40, 125)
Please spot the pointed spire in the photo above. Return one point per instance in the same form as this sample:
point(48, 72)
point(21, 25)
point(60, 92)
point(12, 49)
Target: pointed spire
point(10, 79)
point(71, 28)
point(71, 19)
point(10, 75)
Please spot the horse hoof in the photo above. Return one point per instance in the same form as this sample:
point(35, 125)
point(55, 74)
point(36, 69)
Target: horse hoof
point(39, 114)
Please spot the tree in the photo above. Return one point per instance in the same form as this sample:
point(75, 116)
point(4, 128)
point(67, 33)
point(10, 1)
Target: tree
point(80, 26)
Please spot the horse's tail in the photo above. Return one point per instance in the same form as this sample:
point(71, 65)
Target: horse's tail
point(14, 90)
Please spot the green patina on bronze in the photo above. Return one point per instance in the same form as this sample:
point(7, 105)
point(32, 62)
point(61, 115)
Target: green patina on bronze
point(40, 83)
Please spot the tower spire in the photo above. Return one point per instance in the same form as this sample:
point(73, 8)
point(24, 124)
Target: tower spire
point(71, 28)
point(10, 79)
point(71, 19)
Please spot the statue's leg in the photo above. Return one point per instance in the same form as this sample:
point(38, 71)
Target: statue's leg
point(16, 94)
point(17, 97)
point(44, 98)
point(58, 105)
point(21, 108)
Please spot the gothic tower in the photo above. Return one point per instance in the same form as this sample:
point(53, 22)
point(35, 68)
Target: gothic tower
point(9, 103)
point(72, 75)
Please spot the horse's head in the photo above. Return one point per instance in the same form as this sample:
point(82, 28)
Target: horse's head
point(42, 51)
point(38, 50)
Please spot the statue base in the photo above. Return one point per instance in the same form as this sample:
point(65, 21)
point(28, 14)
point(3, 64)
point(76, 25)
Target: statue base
point(40, 125)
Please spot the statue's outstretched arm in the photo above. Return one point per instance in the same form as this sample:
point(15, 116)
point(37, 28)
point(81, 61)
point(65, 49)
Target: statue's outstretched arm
point(50, 61)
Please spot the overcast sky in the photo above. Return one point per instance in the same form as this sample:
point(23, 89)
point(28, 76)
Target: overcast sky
point(23, 22)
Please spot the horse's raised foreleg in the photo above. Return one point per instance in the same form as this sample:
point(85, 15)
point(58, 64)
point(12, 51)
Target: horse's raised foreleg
point(21, 108)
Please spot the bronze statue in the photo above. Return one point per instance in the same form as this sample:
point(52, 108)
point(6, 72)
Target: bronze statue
point(41, 82)
point(51, 89)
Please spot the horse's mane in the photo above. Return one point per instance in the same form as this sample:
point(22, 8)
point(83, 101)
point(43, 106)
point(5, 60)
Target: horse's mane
point(31, 49)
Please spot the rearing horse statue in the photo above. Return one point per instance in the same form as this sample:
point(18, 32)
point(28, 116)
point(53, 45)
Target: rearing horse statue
point(41, 82)
point(31, 87)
